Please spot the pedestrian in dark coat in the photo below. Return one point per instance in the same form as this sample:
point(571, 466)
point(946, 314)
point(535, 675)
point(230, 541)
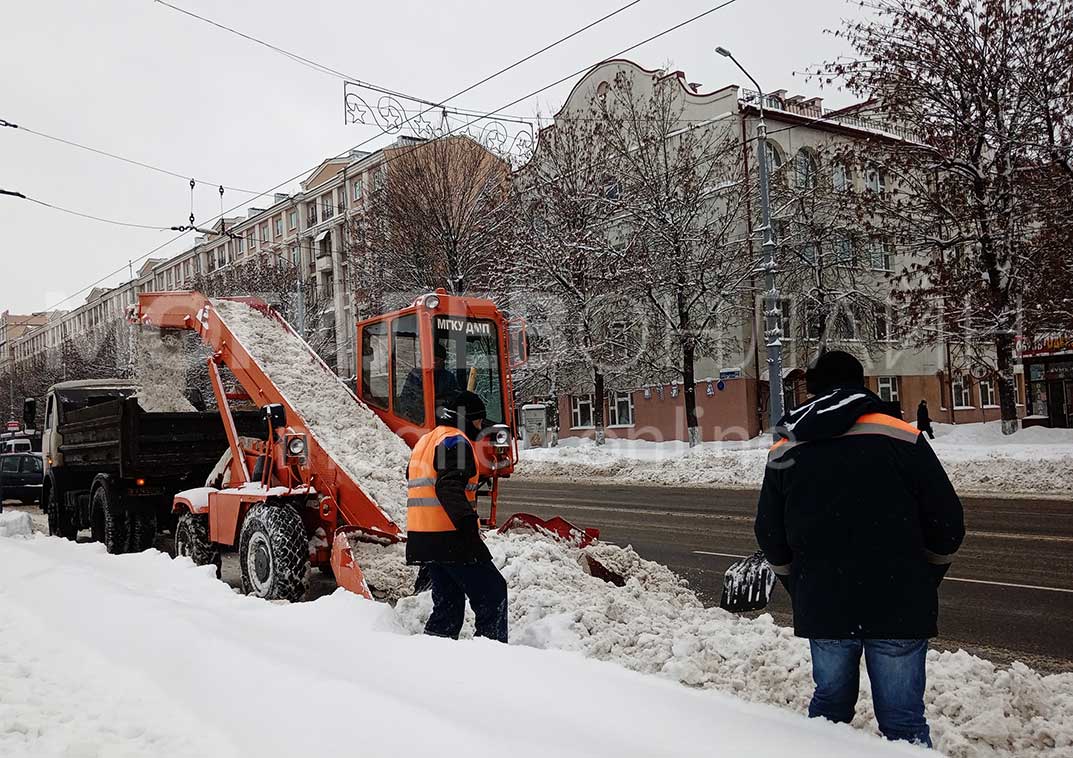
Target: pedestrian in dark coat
point(860, 523)
point(443, 529)
point(924, 419)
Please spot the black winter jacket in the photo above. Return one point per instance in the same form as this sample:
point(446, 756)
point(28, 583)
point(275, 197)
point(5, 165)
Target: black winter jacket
point(455, 464)
point(859, 519)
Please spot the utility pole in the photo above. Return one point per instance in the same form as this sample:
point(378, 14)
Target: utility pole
point(771, 306)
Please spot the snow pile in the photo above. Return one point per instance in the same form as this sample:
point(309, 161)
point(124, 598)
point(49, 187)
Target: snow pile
point(355, 437)
point(160, 369)
point(656, 625)
point(220, 674)
point(16, 524)
point(977, 457)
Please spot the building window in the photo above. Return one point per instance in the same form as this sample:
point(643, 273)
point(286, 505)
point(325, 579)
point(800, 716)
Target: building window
point(875, 180)
point(221, 257)
point(296, 256)
point(888, 388)
point(252, 241)
point(843, 250)
point(783, 318)
point(278, 222)
point(264, 234)
point(327, 208)
point(581, 412)
point(356, 189)
point(239, 241)
point(839, 178)
point(292, 220)
point(774, 157)
point(880, 256)
point(804, 170)
point(962, 394)
point(882, 324)
point(620, 409)
point(987, 393)
point(311, 213)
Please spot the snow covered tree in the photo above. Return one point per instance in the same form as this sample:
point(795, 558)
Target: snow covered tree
point(436, 216)
point(983, 86)
point(572, 264)
point(678, 189)
point(831, 268)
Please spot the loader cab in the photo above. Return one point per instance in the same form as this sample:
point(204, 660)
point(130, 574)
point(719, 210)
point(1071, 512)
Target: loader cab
point(412, 360)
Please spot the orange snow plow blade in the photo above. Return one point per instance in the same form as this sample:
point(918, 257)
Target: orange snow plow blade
point(347, 571)
point(557, 527)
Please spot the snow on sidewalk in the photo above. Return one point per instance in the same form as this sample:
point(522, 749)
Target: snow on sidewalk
point(150, 656)
point(978, 458)
point(355, 437)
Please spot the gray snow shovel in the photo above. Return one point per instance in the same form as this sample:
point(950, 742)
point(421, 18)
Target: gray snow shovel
point(747, 584)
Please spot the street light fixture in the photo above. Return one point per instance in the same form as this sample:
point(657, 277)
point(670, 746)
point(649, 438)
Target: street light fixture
point(772, 326)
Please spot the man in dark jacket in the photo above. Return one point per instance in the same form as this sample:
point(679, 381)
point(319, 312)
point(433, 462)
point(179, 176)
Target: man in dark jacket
point(860, 523)
point(924, 419)
point(443, 529)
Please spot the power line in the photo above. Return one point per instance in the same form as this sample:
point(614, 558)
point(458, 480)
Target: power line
point(124, 159)
point(85, 215)
point(448, 99)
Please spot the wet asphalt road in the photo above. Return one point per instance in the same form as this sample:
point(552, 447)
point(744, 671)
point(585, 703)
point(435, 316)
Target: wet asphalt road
point(1008, 596)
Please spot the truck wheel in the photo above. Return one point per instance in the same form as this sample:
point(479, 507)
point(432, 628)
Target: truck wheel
point(116, 527)
point(192, 541)
point(59, 520)
point(274, 553)
point(142, 530)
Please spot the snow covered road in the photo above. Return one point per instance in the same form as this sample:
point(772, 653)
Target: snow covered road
point(140, 655)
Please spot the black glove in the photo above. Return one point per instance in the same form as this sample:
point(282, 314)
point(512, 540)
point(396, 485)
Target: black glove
point(938, 571)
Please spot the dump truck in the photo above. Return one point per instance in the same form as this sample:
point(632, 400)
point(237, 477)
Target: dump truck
point(329, 466)
point(112, 468)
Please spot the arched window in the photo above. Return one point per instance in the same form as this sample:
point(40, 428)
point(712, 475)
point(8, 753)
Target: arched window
point(804, 170)
point(774, 156)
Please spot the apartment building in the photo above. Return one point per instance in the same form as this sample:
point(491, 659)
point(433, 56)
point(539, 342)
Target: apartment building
point(307, 229)
point(732, 388)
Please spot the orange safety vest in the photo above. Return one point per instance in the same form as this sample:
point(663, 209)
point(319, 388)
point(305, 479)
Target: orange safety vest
point(424, 512)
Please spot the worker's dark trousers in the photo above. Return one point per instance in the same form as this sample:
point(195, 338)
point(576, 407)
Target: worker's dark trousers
point(486, 589)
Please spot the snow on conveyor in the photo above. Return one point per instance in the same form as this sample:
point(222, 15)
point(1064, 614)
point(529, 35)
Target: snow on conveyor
point(354, 436)
point(656, 625)
point(175, 664)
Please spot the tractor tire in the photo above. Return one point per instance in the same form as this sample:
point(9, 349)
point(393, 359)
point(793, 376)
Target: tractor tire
point(142, 524)
point(192, 541)
point(59, 520)
point(116, 521)
point(274, 553)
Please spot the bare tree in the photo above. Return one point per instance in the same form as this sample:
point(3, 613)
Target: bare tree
point(679, 190)
point(833, 269)
point(573, 263)
point(965, 77)
point(437, 216)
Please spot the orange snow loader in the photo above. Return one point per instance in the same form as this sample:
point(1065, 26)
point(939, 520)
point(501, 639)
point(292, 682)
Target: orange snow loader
point(408, 360)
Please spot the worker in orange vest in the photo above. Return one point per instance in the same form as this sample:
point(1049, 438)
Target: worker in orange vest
point(443, 529)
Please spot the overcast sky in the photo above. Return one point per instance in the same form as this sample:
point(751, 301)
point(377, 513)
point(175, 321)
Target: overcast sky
point(139, 79)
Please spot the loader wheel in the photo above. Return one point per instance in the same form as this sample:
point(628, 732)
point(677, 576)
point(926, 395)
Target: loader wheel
point(142, 526)
point(59, 521)
point(192, 541)
point(116, 527)
point(274, 553)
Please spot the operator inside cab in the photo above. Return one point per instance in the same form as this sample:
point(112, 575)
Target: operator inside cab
point(445, 385)
point(443, 529)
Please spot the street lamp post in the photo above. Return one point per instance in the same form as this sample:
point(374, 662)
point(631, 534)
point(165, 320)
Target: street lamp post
point(772, 325)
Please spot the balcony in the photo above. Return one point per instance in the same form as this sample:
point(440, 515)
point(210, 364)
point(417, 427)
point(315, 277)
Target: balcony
point(774, 102)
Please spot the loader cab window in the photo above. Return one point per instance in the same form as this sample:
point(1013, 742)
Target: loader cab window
point(406, 369)
point(374, 364)
point(470, 350)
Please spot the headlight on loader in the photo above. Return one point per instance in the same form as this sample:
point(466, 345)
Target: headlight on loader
point(296, 447)
point(500, 435)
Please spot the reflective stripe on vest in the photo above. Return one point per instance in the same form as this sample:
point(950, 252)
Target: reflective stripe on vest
point(424, 512)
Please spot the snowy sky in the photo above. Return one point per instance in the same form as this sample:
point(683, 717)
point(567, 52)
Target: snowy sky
point(136, 78)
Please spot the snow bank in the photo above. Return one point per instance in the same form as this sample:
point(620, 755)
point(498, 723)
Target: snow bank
point(160, 369)
point(374, 456)
point(224, 675)
point(978, 458)
point(16, 524)
point(656, 625)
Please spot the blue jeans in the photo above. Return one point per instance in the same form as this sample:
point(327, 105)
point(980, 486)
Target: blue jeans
point(486, 589)
point(896, 670)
